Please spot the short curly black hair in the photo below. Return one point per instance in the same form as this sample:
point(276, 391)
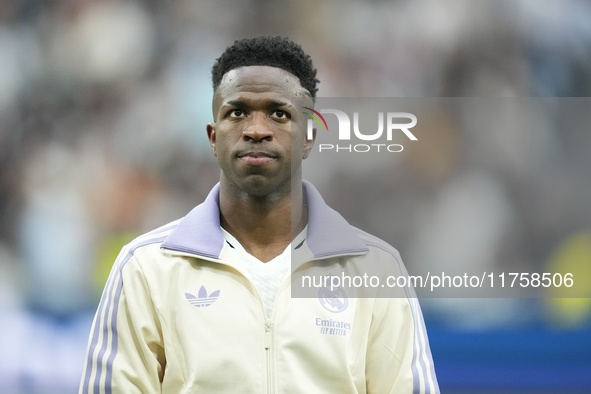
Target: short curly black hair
point(273, 51)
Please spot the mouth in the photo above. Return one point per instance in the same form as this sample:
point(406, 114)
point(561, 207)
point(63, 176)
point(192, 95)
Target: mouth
point(256, 158)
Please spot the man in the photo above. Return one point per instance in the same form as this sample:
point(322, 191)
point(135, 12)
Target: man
point(203, 304)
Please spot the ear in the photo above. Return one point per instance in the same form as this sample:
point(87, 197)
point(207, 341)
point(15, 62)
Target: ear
point(211, 136)
point(309, 144)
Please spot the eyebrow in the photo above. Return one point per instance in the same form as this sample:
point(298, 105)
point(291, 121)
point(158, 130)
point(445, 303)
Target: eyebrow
point(268, 104)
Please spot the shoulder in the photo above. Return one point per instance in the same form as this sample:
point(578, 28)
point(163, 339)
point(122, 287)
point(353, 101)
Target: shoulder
point(382, 256)
point(376, 244)
point(146, 242)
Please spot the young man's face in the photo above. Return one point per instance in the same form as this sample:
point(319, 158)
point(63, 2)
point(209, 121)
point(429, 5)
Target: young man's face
point(253, 132)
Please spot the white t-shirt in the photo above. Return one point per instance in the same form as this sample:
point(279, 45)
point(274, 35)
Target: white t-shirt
point(269, 276)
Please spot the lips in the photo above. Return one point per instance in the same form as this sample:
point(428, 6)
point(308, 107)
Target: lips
point(257, 158)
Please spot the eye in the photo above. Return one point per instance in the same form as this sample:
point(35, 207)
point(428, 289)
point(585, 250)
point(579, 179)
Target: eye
point(236, 113)
point(279, 114)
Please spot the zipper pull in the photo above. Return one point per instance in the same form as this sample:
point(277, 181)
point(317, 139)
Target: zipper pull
point(268, 327)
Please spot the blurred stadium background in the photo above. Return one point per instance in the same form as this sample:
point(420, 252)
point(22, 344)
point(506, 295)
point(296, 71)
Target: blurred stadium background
point(103, 106)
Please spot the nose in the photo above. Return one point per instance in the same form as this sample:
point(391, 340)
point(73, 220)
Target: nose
point(257, 129)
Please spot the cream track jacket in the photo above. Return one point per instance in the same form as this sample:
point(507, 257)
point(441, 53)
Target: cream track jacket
point(176, 317)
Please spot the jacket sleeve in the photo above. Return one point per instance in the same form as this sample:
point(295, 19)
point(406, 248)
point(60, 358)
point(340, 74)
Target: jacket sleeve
point(125, 351)
point(398, 357)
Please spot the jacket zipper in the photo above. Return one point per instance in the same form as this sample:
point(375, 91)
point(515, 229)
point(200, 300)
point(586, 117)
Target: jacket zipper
point(268, 340)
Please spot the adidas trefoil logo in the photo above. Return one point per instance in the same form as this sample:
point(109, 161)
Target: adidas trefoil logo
point(202, 299)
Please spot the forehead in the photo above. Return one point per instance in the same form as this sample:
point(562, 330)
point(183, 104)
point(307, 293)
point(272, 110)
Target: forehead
point(255, 81)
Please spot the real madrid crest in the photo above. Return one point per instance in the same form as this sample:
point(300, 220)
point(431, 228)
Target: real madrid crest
point(335, 301)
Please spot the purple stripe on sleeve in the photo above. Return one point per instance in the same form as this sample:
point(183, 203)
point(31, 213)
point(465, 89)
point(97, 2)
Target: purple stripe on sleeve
point(430, 357)
point(106, 301)
point(412, 299)
point(416, 384)
point(105, 330)
point(418, 330)
point(109, 378)
point(423, 343)
point(113, 352)
point(99, 317)
point(418, 345)
point(419, 327)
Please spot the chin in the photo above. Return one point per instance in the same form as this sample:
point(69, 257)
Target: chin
point(260, 186)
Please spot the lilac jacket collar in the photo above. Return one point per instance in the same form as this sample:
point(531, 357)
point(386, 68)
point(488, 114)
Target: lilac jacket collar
point(329, 233)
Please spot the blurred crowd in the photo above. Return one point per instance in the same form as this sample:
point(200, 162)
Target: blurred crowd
point(103, 106)
point(493, 184)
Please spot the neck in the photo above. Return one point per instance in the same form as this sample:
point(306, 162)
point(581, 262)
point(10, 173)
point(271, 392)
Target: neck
point(264, 225)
